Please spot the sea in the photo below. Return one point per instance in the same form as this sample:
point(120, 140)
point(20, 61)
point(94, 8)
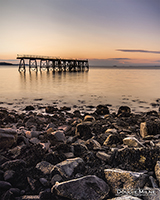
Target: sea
point(136, 87)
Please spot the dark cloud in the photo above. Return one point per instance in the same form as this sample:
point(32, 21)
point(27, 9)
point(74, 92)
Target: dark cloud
point(138, 50)
point(119, 59)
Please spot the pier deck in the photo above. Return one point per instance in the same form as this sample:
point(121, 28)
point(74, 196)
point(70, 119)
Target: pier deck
point(56, 64)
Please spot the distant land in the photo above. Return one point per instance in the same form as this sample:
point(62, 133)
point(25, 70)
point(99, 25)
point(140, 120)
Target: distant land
point(7, 63)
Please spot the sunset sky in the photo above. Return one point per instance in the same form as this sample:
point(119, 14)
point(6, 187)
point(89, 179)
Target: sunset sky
point(107, 32)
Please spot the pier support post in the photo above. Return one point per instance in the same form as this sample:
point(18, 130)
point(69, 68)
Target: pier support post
point(22, 65)
point(33, 64)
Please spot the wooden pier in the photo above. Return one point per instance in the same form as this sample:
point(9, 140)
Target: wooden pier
point(52, 63)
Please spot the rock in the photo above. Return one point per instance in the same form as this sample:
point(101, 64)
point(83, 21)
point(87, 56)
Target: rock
point(57, 136)
point(157, 171)
point(111, 130)
point(124, 111)
point(149, 128)
point(30, 197)
point(9, 175)
point(13, 164)
point(4, 185)
point(51, 109)
point(153, 193)
point(79, 149)
point(89, 118)
point(45, 167)
point(113, 139)
point(8, 137)
point(93, 144)
point(35, 140)
point(125, 197)
point(122, 179)
point(67, 167)
point(132, 142)
point(28, 108)
point(102, 110)
point(56, 178)
point(103, 156)
point(83, 130)
point(44, 182)
point(65, 108)
point(87, 188)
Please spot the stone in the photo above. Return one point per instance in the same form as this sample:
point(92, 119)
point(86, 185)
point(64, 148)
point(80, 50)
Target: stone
point(113, 139)
point(125, 197)
point(122, 179)
point(30, 197)
point(45, 167)
point(93, 144)
point(124, 111)
point(4, 185)
point(87, 188)
point(56, 178)
point(44, 182)
point(111, 130)
point(51, 109)
point(35, 140)
point(28, 108)
point(8, 137)
point(83, 130)
point(157, 171)
point(103, 156)
point(67, 167)
point(89, 118)
point(57, 136)
point(9, 175)
point(132, 142)
point(13, 164)
point(102, 110)
point(79, 149)
point(153, 193)
point(150, 128)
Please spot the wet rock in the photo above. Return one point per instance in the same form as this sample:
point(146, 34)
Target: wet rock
point(9, 175)
point(67, 167)
point(56, 178)
point(87, 188)
point(8, 137)
point(93, 144)
point(44, 182)
point(30, 197)
point(89, 118)
point(51, 109)
point(103, 156)
point(13, 164)
point(132, 142)
point(149, 128)
point(46, 195)
point(4, 185)
point(153, 193)
point(56, 136)
point(45, 167)
point(113, 139)
point(102, 110)
point(124, 111)
point(157, 171)
point(83, 130)
point(117, 178)
point(79, 149)
point(28, 108)
point(125, 197)
point(111, 130)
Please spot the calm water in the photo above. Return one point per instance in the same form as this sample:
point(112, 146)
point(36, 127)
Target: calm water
point(137, 88)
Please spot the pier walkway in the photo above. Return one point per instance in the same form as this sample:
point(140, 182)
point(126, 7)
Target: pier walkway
point(53, 63)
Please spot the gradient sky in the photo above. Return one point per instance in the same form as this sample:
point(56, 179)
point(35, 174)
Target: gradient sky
point(107, 32)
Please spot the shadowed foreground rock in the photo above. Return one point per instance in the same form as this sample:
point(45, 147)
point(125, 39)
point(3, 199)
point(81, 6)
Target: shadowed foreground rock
point(89, 187)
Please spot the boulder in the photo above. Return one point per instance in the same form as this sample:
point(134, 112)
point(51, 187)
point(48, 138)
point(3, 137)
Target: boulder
point(86, 188)
point(124, 111)
point(45, 167)
point(83, 130)
point(132, 142)
point(67, 167)
point(150, 128)
point(102, 110)
point(56, 136)
point(122, 179)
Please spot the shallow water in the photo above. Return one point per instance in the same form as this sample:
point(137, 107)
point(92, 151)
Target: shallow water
point(137, 88)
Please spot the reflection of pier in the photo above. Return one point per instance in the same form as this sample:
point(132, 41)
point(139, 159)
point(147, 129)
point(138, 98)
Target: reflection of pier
point(55, 64)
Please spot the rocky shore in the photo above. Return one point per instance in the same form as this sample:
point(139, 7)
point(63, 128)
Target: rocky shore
point(97, 156)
